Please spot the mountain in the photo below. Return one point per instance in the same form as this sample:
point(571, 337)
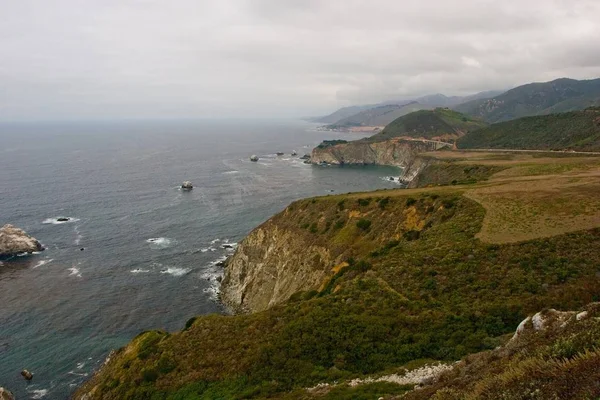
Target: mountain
point(576, 130)
point(430, 124)
point(378, 116)
point(342, 117)
point(559, 95)
point(341, 113)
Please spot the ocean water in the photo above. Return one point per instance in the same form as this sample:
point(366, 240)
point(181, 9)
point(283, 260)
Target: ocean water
point(150, 250)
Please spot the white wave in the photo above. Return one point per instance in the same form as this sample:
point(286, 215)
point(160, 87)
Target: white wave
point(139, 271)
point(74, 272)
point(55, 221)
point(80, 365)
point(215, 241)
point(78, 234)
point(42, 262)
point(160, 243)
point(38, 393)
point(230, 172)
point(176, 271)
point(77, 373)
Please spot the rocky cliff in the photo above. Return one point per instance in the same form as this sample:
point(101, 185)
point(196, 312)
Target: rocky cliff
point(15, 241)
point(270, 264)
point(396, 152)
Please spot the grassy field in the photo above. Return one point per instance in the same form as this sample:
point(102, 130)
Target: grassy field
point(433, 273)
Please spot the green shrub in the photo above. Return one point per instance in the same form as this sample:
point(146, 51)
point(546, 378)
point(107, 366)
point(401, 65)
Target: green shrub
point(364, 202)
point(363, 224)
point(410, 201)
point(189, 323)
point(149, 375)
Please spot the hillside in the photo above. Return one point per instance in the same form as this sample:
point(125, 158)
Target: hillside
point(577, 130)
point(343, 112)
point(560, 95)
point(441, 123)
point(392, 280)
point(378, 116)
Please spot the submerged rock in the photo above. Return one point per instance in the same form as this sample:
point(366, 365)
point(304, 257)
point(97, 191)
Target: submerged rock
point(5, 394)
point(279, 153)
point(27, 375)
point(254, 158)
point(187, 185)
point(63, 219)
point(15, 241)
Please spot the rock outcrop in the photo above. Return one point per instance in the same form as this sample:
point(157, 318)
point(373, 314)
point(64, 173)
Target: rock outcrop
point(15, 241)
point(5, 394)
point(394, 152)
point(270, 265)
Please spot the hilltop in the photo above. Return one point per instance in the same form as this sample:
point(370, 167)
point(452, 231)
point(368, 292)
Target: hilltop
point(440, 123)
point(350, 288)
point(560, 95)
point(577, 130)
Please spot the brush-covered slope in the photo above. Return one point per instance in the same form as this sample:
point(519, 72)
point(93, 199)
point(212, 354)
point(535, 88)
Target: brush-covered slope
point(440, 123)
point(406, 278)
point(577, 130)
point(560, 95)
point(378, 116)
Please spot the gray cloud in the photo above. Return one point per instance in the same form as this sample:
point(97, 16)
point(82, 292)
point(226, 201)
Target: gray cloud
point(190, 58)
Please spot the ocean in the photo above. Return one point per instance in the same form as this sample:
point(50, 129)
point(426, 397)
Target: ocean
point(137, 252)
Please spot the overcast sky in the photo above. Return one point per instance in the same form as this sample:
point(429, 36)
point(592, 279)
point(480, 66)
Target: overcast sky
point(220, 58)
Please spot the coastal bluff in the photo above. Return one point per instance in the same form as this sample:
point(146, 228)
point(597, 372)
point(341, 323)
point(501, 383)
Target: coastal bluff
point(395, 152)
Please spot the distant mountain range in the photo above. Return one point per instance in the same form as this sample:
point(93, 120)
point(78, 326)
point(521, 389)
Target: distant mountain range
point(379, 115)
point(557, 96)
point(560, 95)
point(382, 114)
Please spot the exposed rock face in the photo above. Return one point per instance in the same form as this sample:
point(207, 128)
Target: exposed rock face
point(15, 241)
point(5, 394)
point(395, 152)
point(270, 265)
point(410, 175)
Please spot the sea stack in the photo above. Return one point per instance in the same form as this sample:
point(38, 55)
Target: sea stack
point(254, 158)
point(187, 185)
point(27, 375)
point(15, 241)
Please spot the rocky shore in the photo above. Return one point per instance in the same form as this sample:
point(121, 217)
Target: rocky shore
point(15, 241)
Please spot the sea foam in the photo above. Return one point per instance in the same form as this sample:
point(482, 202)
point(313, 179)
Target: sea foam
point(54, 221)
point(42, 262)
point(176, 271)
point(160, 243)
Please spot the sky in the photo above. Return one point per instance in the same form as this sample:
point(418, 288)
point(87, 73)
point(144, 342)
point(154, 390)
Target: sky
point(103, 59)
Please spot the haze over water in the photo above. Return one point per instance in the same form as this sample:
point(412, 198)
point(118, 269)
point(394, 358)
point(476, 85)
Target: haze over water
point(150, 250)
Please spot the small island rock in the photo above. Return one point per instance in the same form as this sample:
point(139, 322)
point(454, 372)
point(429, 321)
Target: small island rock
point(62, 219)
point(27, 375)
point(254, 158)
point(15, 241)
point(187, 185)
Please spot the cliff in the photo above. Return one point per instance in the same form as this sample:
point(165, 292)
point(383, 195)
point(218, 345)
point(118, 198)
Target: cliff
point(270, 265)
point(395, 152)
point(15, 241)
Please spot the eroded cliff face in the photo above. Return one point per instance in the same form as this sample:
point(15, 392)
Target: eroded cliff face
point(395, 152)
point(270, 264)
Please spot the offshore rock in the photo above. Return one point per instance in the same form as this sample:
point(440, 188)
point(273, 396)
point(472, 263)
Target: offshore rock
point(27, 375)
point(15, 241)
